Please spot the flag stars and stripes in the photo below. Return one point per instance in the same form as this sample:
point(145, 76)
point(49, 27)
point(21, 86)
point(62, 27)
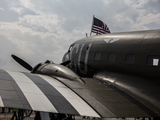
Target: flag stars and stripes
point(99, 27)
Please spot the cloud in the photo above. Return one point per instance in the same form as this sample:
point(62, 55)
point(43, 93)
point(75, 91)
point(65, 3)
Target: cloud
point(19, 10)
point(136, 4)
point(137, 15)
point(31, 42)
point(44, 29)
point(40, 21)
point(1, 8)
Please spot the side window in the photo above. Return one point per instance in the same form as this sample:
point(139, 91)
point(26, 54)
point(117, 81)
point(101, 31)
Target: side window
point(97, 56)
point(112, 57)
point(153, 60)
point(130, 59)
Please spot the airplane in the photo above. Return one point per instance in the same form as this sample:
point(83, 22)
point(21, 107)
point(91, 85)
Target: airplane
point(112, 75)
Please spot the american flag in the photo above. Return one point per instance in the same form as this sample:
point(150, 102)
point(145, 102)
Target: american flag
point(99, 27)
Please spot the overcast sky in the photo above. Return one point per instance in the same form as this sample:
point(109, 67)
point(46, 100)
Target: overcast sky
point(37, 30)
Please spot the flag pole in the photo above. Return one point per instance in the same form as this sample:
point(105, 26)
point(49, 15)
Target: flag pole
point(92, 25)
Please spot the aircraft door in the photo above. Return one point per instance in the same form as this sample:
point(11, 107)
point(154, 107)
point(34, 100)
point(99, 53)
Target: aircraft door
point(79, 54)
point(83, 58)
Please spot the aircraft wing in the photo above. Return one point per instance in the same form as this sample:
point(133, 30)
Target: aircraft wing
point(119, 95)
point(40, 93)
point(59, 95)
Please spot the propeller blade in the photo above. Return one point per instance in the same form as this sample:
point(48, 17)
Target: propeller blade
point(65, 63)
point(22, 62)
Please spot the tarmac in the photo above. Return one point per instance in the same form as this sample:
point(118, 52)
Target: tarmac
point(8, 116)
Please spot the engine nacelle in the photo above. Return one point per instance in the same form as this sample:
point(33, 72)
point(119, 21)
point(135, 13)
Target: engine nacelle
point(56, 70)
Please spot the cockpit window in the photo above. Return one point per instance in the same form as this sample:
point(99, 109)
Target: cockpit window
point(67, 57)
point(70, 48)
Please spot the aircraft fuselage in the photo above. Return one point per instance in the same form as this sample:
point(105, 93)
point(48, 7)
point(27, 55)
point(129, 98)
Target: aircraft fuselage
point(128, 52)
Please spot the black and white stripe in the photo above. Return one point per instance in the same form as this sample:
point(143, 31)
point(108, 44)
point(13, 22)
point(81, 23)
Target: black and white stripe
point(36, 98)
point(42, 93)
point(11, 94)
point(80, 105)
point(53, 95)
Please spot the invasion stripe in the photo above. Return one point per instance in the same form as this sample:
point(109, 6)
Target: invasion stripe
point(57, 100)
point(80, 105)
point(36, 98)
point(1, 102)
point(9, 90)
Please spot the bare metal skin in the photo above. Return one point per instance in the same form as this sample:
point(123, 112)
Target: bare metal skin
point(141, 44)
point(138, 74)
point(56, 70)
point(120, 74)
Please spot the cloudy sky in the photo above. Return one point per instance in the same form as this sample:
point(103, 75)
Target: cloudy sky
point(37, 30)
